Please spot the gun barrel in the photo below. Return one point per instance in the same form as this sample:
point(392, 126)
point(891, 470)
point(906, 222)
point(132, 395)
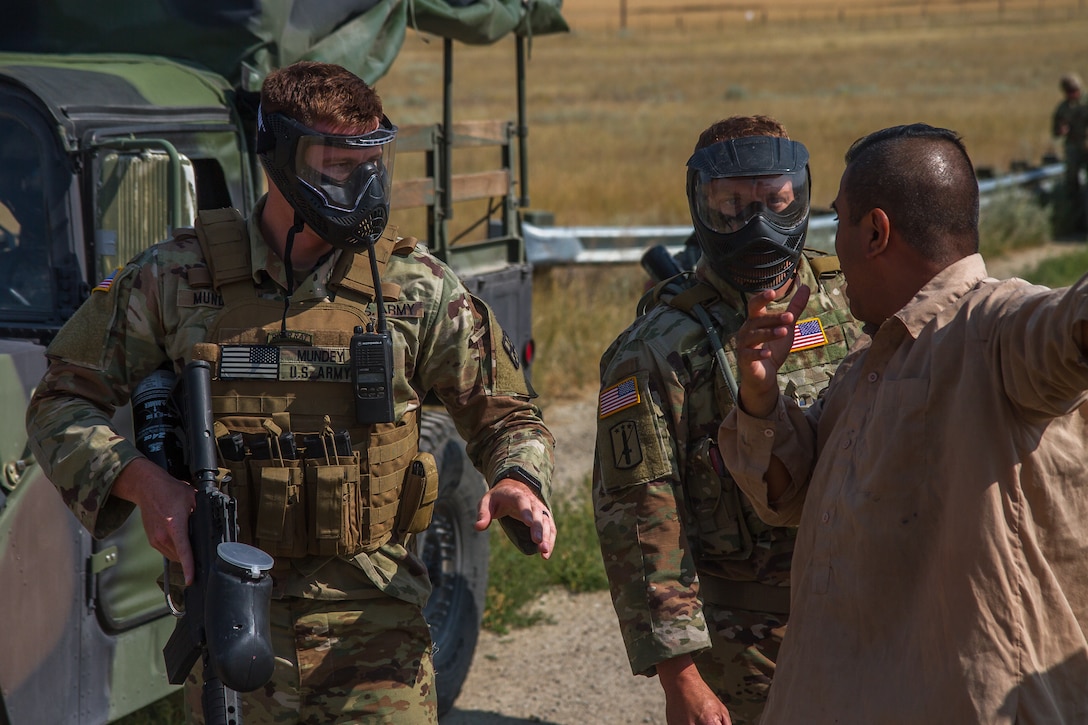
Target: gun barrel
point(221, 705)
point(226, 619)
point(659, 264)
point(199, 422)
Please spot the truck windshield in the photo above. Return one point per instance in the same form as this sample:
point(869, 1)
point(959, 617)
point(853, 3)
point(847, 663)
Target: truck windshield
point(25, 281)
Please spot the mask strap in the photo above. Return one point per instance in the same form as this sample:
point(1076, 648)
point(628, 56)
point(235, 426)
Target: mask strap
point(290, 270)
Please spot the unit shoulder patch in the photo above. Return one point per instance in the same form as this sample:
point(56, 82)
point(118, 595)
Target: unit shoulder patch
point(631, 435)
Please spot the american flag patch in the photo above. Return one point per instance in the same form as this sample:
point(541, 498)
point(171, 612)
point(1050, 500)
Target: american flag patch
point(622, 395)
point(104, 285)
point(261, 362)
point(808, 333)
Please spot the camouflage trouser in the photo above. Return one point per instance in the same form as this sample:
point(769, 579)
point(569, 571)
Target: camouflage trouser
point(1075, 160)
point(740, 664)
point(359, 661)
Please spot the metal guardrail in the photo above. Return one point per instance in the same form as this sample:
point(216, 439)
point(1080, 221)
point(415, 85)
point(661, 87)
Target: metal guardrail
point(547, 245)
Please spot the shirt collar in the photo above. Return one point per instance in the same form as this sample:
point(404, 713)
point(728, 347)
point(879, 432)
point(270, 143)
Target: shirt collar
point(941, 292)
point(268, 265)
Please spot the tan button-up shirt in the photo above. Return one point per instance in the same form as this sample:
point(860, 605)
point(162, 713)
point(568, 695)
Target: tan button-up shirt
point(941, 568)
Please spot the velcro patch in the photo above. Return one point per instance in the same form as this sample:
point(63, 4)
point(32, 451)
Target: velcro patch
point(808, 334)
point(275, 362)
point(632, 440)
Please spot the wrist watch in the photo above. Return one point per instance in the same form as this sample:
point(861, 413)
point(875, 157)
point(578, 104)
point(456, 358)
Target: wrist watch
point(520, 474)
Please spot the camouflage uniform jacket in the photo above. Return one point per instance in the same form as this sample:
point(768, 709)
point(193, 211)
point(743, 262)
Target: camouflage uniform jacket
point(1073, 116)
point(148, 315)
point(668, 514)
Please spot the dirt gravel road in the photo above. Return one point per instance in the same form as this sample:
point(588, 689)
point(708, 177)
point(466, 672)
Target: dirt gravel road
point(572, 671)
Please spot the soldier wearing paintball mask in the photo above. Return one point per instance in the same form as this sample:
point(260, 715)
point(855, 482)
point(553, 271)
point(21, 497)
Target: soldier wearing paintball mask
point(331, 483)
point(700, 585)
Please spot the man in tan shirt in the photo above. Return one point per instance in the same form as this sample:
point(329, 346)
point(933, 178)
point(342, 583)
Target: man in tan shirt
point(941, 485)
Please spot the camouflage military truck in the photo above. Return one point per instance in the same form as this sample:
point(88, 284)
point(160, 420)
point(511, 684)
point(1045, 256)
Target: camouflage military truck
point(118, 121)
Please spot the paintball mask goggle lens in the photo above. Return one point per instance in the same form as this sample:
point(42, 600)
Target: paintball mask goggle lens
point(734, 181)
point(727, 204)
point(345, 170)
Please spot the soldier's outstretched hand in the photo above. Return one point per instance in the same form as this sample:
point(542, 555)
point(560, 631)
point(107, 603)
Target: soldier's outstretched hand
point(763, 344)
point(510, 497)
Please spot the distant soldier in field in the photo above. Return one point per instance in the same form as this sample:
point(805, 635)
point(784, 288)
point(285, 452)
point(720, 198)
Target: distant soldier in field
point(1070, 123)
point(699, 584)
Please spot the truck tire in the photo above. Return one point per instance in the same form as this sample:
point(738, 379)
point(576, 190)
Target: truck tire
point(456, 557)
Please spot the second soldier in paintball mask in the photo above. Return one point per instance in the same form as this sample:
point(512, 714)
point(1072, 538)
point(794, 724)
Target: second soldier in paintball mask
point(700, 585)
point(749, 200)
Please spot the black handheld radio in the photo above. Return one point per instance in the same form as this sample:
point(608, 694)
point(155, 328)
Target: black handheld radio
point(372, 362)
point(372, 376)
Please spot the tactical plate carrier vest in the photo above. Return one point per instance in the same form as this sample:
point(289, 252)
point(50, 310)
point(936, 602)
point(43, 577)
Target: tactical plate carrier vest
point(309, 480)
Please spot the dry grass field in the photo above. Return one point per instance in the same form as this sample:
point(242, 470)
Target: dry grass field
point(613, 114)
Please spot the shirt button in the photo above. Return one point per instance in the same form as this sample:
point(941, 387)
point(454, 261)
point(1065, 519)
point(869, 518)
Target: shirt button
point(768, 433)
point(873, 377)
point(846, 444)
point(826, 517)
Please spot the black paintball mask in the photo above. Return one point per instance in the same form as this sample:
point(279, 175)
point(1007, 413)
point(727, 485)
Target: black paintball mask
point(339, 185)
point(749, 201)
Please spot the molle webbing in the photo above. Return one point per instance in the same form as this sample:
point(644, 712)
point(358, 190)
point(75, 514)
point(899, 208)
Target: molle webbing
point(224, 240)
point(353, 273)
point(325, 501)
point(309, 390)
point(698, 294)
point(823, 265)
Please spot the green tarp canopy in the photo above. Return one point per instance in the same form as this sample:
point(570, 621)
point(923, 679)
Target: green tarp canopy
point(243, 40)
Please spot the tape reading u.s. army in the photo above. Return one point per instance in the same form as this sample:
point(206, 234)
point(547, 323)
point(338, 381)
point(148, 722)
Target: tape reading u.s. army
point(273, 362)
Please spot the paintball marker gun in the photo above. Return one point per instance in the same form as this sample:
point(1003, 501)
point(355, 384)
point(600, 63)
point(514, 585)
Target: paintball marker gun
point(226, 616)
point(659, 264)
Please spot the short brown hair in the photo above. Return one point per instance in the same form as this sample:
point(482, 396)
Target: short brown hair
point(740, 127)
point(313, 93)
